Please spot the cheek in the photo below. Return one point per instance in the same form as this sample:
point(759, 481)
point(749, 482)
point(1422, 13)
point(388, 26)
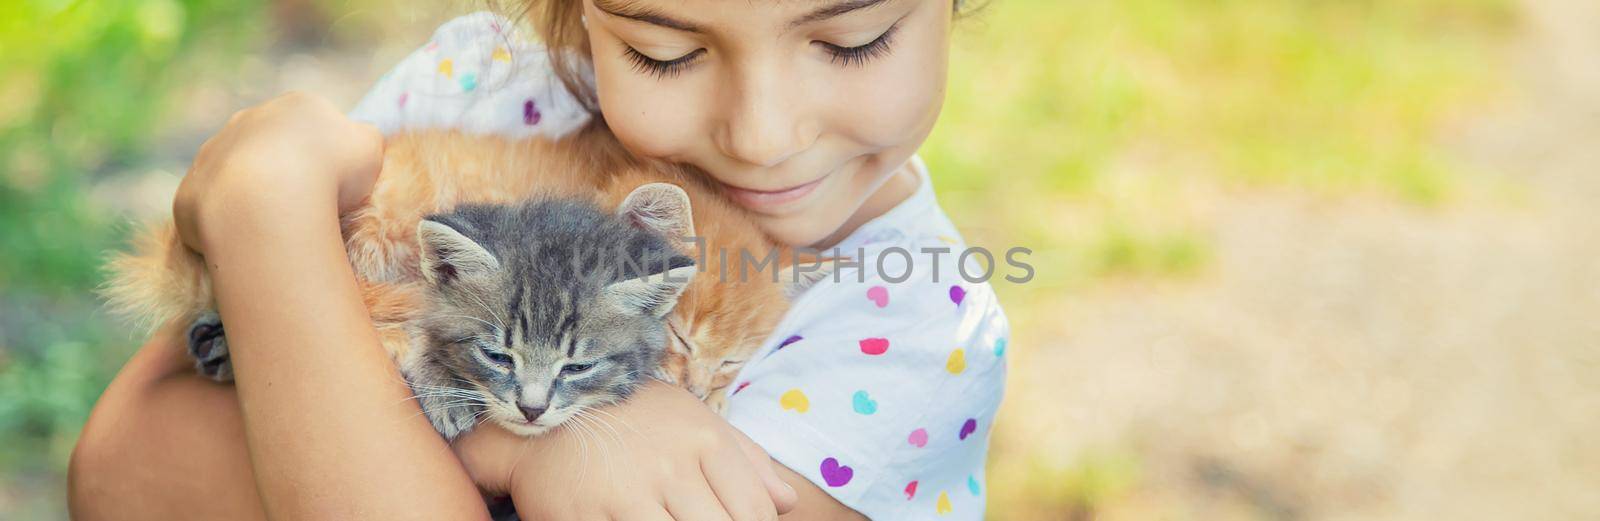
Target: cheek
point(651, 117)
point(895, 101)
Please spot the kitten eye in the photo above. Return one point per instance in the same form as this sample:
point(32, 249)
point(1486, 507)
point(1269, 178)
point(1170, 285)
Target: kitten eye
point(571, 369)
point(496, 356)
point(729, 364)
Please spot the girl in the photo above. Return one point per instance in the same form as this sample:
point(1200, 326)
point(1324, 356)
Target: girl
point(874, 398)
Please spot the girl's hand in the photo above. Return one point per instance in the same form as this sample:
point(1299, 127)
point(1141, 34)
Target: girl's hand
point(293, 148)
point(660, 455)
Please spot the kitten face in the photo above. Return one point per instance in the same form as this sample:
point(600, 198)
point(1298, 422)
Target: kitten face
point(529, 378)
point(538, 312)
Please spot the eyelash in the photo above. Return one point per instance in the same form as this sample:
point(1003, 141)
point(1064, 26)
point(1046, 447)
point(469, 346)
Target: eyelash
point(846, 56)
point(859, 55)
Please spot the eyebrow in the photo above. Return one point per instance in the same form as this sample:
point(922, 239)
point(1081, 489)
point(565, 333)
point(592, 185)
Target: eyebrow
point(634, 11)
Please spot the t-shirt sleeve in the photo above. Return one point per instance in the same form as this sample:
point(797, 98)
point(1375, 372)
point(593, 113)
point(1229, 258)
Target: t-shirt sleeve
point(882, 393)
point(481, 74)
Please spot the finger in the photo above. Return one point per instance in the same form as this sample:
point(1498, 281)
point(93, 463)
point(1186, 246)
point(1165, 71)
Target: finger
point(740, 489)
point(695, 500)
point(784, 497)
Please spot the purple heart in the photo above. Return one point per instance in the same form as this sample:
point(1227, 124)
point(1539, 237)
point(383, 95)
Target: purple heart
point(835, 474)
point(530, 113)
point(968, 428)
point(790, 340)
point(957, 294)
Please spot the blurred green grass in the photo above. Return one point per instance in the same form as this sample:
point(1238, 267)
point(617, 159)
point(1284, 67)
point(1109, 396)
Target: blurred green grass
point(1096, 132)
point(83, 85)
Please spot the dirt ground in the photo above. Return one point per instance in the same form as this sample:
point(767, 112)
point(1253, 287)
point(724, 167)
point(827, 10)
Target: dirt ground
point(1350, 358)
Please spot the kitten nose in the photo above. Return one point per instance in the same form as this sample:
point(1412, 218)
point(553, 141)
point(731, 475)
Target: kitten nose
point(531, 413)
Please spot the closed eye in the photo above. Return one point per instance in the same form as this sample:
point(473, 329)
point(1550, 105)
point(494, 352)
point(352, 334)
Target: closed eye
point(497, 357)
point(576, 369)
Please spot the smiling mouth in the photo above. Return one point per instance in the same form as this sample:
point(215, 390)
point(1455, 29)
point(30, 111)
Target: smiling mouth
point(771, 199)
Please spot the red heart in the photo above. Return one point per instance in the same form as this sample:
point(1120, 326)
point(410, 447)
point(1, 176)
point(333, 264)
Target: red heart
point(911, 490)
point(875, 346)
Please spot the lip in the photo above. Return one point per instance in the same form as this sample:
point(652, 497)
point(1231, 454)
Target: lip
point(771, 199)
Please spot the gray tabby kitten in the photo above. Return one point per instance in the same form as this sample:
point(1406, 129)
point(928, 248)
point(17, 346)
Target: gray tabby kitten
point(534, 311)
point(539, 311)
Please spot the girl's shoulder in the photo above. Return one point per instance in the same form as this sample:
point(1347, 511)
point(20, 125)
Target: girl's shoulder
point(478, 73)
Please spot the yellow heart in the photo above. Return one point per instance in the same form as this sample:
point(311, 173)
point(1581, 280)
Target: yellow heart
point(447, 67)
point(943, 506)
point(794, 399)
point(501, 55)
point(957, 362)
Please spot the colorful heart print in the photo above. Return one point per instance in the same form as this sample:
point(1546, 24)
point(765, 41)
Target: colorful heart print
point(918, 438)
point(447, 67)
point(957, 294)
point(879, 295)
point(972, 485)
point(875, 346)
point(834, 474)
point(1000, 347)
point(501, 55)
point(968, 428)
point(911, 490)
point(739, 388)
point(864, 404)
point(943, 505)
point(792, 339)
point(794, 400)
point(468, 82)
point(957, 362)
point(530, 113)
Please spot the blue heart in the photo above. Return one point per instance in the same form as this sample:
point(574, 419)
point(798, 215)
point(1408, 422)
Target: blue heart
point(972, 485)
point(864, 404)
point(1000, 347)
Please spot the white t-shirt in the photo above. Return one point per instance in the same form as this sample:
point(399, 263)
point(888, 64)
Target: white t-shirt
point(879, 385)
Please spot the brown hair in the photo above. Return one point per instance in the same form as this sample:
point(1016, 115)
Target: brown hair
point(559, 24)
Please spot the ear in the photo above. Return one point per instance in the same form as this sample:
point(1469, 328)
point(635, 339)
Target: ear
point(447, 255)
point(651, 295)
point(659, 207)
point(796, 281)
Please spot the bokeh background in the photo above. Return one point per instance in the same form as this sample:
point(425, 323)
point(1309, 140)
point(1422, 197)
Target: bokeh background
point(1296, 259)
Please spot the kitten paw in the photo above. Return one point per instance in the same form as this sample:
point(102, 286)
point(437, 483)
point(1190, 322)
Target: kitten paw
point(209, 347)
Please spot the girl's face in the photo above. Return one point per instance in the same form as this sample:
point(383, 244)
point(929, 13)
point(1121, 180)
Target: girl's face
point(801, 109)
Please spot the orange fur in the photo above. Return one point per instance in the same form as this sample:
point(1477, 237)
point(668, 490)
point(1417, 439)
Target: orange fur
point(715, 322)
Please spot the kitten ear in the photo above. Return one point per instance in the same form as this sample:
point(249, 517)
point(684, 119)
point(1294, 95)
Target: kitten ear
point(796, 281)
point(447, 255)
point(651, 295)
point(659, 207)
point(809, 268)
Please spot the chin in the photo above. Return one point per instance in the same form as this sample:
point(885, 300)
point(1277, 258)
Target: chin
point(522, 428)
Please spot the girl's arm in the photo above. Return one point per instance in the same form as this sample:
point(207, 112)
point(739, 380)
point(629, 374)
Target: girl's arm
point(331, 431)
point(659, 455)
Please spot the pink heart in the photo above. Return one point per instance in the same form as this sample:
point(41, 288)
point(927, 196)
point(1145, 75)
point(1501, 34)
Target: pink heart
point(911, 490)
point(919, 438)
point(878, 295)
point(836, 475)
point(968, 428)
point(875, 346)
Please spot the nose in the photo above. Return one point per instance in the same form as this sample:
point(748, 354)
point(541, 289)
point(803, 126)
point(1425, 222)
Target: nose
point(531, 413)
point(767, 121)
